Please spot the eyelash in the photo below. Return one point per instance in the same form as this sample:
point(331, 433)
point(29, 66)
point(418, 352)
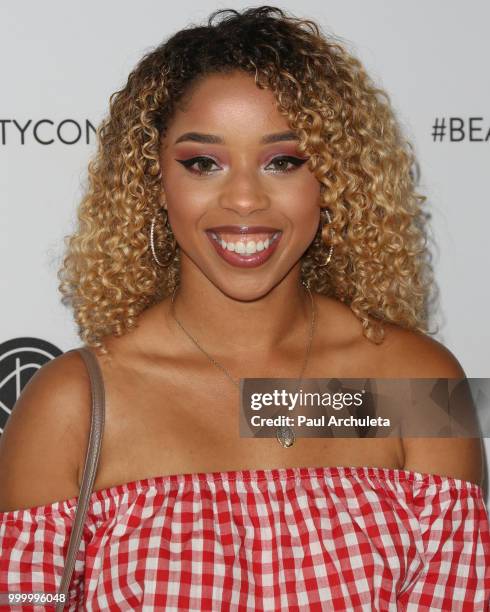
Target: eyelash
point(296, 161)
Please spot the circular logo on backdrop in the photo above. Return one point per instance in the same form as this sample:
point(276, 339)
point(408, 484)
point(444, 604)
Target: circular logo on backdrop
point(20, 358)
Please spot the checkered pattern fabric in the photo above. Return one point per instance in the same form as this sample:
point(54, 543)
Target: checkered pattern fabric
point(335, 538)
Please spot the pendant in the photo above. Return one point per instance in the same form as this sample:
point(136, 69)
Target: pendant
point(285, 436)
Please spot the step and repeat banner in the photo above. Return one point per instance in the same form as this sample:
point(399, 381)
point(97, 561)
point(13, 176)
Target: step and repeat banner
point(61, 61)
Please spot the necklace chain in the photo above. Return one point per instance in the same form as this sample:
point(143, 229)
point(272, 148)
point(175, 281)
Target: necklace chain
point(285, 435)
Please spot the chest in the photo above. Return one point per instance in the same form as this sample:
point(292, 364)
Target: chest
point(177, 420)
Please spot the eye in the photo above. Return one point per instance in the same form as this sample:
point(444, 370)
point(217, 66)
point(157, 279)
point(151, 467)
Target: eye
point(204, 164)
point(286, 163)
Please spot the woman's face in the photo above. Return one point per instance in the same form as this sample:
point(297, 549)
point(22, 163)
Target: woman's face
point(241, 201)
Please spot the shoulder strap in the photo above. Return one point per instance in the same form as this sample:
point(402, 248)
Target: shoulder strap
point(90, 468)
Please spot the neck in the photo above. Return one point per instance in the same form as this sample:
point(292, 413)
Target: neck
point(224, 325)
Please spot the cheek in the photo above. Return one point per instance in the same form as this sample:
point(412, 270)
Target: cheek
point(185, 200)
point(184, 210)
point(303, 202)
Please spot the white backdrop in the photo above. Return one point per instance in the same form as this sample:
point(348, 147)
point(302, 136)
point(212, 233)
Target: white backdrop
point(61, 61)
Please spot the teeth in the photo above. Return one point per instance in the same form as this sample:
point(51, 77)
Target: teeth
point(246, 248)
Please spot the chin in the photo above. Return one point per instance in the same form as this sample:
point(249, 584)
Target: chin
point(243, 293)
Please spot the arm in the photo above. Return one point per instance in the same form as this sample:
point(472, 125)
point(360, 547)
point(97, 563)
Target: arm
point(453, 531)
point(460, 458)
point(44, 442)
point(414, 355)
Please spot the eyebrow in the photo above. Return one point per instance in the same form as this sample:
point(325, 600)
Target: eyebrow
point(213, 139)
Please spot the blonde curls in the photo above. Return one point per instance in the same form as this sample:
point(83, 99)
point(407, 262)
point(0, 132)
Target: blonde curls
point(381, 265)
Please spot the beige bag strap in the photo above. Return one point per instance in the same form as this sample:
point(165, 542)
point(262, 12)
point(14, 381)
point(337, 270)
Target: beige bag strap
point(90, 469)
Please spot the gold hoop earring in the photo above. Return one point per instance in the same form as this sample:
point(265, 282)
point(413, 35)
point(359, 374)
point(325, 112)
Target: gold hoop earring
point(170, 255)
point(152, 243)
point(326, 214)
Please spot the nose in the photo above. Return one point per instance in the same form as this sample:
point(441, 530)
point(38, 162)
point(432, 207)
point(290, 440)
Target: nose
point(243, 193)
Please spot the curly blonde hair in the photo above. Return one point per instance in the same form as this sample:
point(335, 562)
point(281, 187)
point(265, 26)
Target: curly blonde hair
point(381, 265)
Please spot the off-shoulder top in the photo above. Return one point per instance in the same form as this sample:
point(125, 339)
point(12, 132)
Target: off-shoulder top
point(303, 538)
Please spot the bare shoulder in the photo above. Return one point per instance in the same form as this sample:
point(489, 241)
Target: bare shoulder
point(402, 354)
point(44, 442)
point(412, 354)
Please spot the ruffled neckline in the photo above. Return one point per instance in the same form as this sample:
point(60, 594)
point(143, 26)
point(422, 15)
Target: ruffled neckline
point(395, 475)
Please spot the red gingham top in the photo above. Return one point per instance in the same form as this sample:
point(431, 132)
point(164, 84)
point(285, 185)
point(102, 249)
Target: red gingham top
point(329, 538)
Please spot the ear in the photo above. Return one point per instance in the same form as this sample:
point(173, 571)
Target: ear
point(320, 194)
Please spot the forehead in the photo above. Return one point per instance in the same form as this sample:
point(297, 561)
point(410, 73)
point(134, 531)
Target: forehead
point(226, 102)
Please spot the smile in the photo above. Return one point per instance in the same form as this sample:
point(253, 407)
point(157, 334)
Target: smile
point(248, 250)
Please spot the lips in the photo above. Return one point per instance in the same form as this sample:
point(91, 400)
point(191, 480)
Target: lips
point(244, 246)
point(243, 229)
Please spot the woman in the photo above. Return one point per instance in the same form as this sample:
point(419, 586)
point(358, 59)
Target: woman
point(250, 213)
